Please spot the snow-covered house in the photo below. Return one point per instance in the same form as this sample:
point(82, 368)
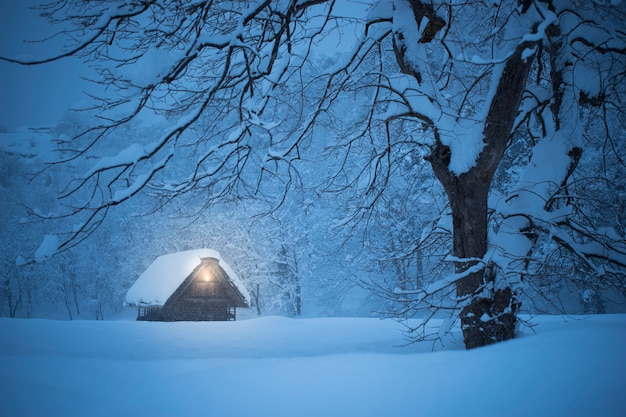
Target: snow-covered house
point(195, 285)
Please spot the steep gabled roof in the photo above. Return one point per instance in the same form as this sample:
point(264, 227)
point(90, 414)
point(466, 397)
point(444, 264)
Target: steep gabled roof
point(156, 285)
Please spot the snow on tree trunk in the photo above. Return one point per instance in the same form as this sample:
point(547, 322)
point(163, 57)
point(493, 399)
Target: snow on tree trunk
point(488, 315)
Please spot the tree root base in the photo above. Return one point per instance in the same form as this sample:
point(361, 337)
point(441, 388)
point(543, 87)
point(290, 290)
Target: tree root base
point(489, 320)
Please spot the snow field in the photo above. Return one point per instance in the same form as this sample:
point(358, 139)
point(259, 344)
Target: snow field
point(276, 366)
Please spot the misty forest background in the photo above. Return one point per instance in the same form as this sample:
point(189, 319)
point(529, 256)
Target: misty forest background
point(309, 240)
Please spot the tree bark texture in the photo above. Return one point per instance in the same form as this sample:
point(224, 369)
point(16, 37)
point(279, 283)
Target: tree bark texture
point(488, 316)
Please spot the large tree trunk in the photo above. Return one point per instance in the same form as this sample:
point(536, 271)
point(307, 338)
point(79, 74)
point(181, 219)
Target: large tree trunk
point(488, 315)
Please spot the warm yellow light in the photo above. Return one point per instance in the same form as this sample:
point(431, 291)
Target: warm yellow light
point(207, 276)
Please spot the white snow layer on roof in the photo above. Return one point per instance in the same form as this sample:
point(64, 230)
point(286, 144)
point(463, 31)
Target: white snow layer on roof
point(167, 272)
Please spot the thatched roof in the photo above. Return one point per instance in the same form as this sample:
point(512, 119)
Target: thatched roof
point(157, 284)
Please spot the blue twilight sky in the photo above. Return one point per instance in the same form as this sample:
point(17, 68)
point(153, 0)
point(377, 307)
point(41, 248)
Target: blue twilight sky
point(34, 95)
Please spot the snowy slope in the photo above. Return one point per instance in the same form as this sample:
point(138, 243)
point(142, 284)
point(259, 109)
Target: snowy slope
point(311, 367)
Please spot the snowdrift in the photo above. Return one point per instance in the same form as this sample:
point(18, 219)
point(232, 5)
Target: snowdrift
point(306, 367)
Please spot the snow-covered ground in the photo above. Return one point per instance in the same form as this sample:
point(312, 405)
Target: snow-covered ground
point(276, 366)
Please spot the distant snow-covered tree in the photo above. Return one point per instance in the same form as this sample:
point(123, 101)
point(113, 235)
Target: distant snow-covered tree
point(250, 87)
